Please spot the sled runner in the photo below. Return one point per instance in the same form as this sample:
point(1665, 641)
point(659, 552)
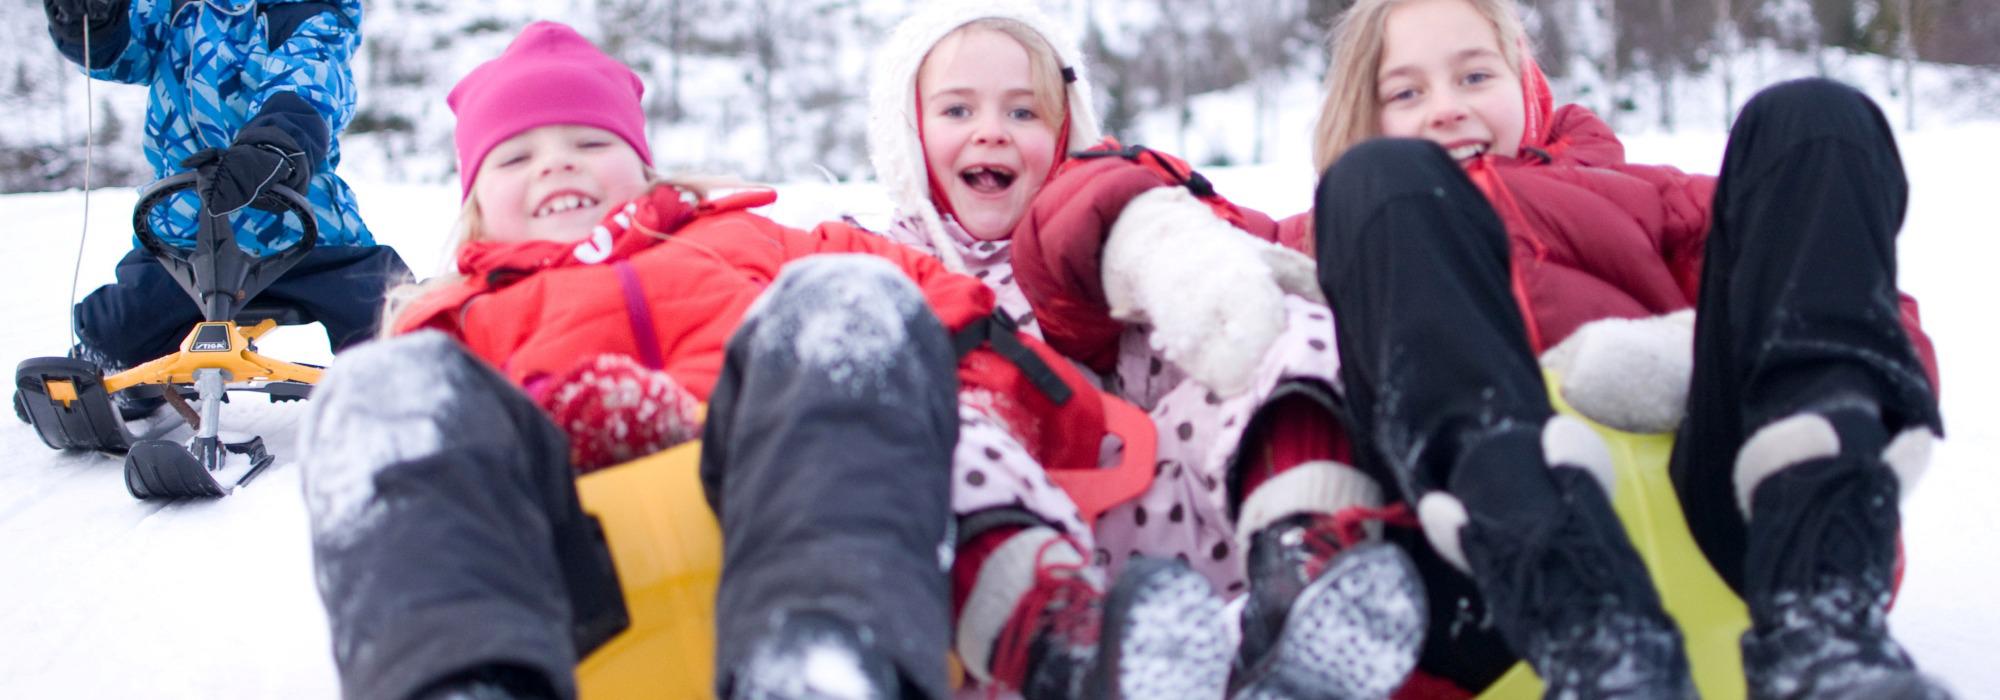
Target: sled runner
point(69, 400)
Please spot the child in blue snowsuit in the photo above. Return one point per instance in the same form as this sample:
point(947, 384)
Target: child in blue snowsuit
point(253, 92)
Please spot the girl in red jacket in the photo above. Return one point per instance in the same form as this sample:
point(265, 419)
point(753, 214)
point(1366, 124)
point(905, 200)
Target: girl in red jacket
point(1464, 227)
point(450, 546)
point(1124, 261)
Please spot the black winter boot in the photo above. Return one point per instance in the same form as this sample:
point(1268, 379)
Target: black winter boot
point(1568, 592)
point(133, 404)
point(1331, 612)
point(1822, 492)
point(1157, 633)
point(815, 655)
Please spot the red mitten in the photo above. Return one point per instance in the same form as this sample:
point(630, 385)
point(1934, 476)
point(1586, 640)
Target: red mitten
point(616, 410)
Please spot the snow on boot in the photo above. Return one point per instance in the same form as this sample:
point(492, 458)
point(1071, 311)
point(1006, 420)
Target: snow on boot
point(497, 682)
point(1569, 593)
point(1354, 631)
point(1332, 612)
point(815, 656)
point(1822, 490)
point(1158, 633)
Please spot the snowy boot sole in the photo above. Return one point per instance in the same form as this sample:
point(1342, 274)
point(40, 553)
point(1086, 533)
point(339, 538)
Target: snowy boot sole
point(1355, 632)
point(1164, 634)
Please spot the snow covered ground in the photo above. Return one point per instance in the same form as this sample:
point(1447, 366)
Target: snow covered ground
point(102, 596)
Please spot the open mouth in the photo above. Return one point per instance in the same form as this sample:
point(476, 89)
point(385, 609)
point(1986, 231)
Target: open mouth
point(563, 202)
point(987, 179)
point(1468, 151)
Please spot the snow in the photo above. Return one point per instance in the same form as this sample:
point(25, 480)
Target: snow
point(846, 316)
point(107, 597)
point(376, 411)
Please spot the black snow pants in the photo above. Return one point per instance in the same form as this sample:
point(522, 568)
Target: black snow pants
point(1798, 303)
point(447, 534)
point(145, 314)
point(827, 458)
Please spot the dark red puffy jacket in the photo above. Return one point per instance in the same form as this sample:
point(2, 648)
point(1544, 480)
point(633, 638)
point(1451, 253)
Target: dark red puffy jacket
point(1593, 237)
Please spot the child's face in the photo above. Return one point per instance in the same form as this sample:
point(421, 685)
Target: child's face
point(555, 183)
point(983, 138)
point(1444, 78)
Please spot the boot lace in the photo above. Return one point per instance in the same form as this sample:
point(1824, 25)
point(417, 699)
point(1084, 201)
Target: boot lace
point(1057, 604)
point(1329, 535)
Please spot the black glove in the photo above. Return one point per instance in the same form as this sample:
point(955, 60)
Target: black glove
point(260, 157)
point(68, 18)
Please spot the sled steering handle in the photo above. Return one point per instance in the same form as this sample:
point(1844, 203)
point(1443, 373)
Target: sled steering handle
point(277, 197)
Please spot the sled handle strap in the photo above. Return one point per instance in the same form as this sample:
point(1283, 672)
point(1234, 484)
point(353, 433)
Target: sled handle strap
point(999, 331)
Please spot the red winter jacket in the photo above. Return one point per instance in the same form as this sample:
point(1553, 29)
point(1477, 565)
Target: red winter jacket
point(535, 310)
point(1592, 236)
point(1059, 243)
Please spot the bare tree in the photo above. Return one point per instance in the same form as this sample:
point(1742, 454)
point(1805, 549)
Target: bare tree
point(1666, 63)
point(1727, 42)
point(1907, 46)
point(1267, 37)
point(1173, 13)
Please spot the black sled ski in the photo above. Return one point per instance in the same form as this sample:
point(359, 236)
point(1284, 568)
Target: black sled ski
point(66, 402)
point(69, 400)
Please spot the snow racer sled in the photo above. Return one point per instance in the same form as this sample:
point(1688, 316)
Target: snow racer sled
point(667, 549)
point(69, 402)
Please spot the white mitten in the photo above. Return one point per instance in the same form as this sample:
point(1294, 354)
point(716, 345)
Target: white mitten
point(1207, 289)
point(1630, 374)
point(1294, 272)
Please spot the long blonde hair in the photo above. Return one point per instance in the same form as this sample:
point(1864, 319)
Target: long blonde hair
point(1352, 111)
point(469, 228)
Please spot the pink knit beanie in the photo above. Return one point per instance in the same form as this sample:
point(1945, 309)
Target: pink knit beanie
point(549, 75)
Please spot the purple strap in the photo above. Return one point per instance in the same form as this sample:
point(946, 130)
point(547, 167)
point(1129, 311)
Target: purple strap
point(640, 315)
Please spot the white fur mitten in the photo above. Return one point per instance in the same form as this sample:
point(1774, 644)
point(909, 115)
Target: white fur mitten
point(1212, 293)
point(1295, 273)
point(1630, 374)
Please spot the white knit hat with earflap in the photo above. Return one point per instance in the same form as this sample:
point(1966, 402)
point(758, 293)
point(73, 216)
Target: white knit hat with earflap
point(893, 143)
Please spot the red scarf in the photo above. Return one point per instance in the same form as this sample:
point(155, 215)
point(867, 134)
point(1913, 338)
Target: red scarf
point(626, 230)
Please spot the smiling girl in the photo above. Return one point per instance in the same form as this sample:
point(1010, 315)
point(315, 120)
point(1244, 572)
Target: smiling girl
point(1465, 226)
point(1176, 301)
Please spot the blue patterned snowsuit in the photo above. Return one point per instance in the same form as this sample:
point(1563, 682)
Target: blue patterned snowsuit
point(214, 67)
point(211, 65)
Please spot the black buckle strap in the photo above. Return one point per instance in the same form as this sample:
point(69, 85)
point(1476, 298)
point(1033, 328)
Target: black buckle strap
point(1192, 180)
point(999, 330)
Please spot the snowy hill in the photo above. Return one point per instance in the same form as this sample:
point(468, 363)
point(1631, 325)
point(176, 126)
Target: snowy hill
point(107, 597)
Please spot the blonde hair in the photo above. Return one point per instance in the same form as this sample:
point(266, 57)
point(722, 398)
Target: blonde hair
point(1044, 66)
point(1352, 111)
point(468, 228)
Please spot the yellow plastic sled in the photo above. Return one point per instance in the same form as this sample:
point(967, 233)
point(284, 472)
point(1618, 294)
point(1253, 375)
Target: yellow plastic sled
point(1711, 617)
point(668, 550)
